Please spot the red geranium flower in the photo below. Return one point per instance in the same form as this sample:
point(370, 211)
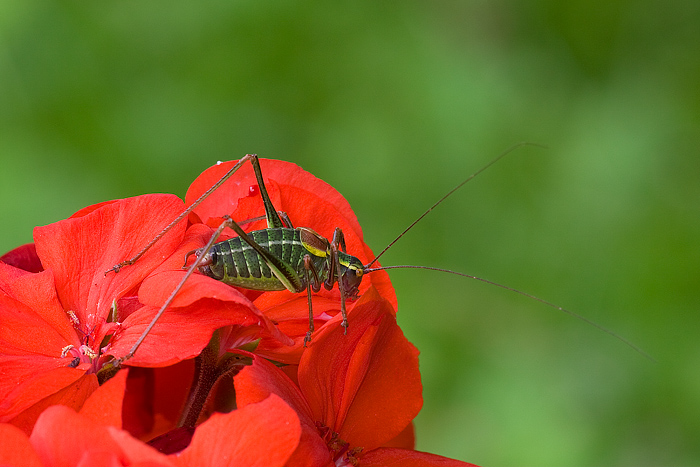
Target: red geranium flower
point(55, 322)
point(355, 392)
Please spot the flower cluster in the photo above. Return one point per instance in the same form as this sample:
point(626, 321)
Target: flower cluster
point(224, 377)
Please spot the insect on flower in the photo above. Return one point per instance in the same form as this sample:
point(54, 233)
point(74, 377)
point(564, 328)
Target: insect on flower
point(297, 259)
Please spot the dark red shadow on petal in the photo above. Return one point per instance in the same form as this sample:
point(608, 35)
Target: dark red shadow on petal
point(23, 257)
point(392, 457)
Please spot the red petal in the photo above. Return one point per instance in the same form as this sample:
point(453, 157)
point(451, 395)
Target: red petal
point(153, 398)
point(62, 437)
point(15, 448)
point(138, 453)
point(393, 457)
point(104, 406)
point(180, 333)
point(80, 250)
point(285, 305)
point(364, 385)
point(256, 382)
point(40, 323)
point(71, 395)
point(263, 434)
point(158, 287)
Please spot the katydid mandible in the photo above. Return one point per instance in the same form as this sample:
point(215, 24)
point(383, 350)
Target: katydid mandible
point(296, 259)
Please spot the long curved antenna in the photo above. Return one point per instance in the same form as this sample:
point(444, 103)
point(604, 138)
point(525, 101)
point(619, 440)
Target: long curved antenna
point(550, 304)
point(449, 193)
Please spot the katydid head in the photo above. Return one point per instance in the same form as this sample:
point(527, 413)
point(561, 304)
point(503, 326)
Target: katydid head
point(351, 271)
point(205, 262)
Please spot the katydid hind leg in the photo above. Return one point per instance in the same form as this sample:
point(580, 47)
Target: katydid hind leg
point(273, 219)
point(337, 243)
point(308, 271)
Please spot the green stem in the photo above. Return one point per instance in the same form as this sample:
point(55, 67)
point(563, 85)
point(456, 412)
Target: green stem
point(205, 376)
point(209, 367)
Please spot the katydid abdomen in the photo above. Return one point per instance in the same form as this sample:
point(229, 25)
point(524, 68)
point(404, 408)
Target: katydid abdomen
point(236, 263)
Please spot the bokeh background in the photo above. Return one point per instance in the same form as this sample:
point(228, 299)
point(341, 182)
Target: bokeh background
point(393, 103)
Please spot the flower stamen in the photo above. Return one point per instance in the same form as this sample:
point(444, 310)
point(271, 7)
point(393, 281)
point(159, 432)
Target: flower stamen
point(73, 318)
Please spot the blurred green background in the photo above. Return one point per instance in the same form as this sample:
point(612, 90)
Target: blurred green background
point(393, 103)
